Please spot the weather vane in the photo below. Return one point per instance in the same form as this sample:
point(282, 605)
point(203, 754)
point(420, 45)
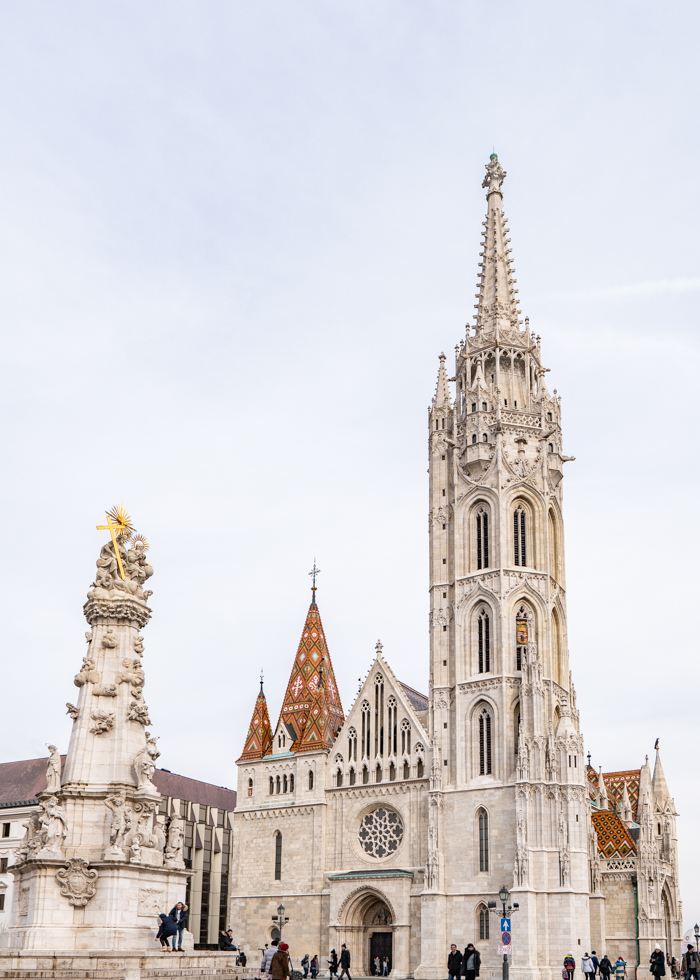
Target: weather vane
point(313, 573)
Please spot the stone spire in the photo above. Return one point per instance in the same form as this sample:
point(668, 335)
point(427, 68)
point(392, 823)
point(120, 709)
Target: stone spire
point(658, 783)
point(645, 791)
point(625, 805)
point(259, 740)
point(312, 707)
point(497, 308)
point(442, 391)
point(602, 791)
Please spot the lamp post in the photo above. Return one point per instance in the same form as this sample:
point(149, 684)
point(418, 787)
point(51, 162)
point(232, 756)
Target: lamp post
point(280, 919)
point(697, 940)
point(504, 895)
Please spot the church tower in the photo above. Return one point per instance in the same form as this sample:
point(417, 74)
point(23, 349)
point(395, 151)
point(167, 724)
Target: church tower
point(503, 715)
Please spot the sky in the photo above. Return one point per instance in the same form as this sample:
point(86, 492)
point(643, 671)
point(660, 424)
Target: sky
point(234, 239)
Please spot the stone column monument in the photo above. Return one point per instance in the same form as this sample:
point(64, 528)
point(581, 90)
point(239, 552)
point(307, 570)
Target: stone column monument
point(97, 863)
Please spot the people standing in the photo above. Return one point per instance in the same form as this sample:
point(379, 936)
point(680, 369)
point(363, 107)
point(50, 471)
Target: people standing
point(454, 963)
point(673, 964)
point(587, 966)
point(333, 964)
point(605, 967)
point(620, 968)
point(314, 967)
point(657, 962)
point(242, 958)
point(267, 957)
point(471, 962)
point(376, 966)
point(279, 965)
point(570, 965)
point(305, 965)
point(690, 963)
point(179, 916)
point(344, 962)
point(385, 966)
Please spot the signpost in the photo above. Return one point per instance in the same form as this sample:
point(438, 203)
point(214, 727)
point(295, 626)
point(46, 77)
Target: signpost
point(506, 944)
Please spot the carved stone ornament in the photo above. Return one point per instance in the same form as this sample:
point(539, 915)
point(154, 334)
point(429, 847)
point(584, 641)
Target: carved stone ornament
point(151, 901)
point(72, 710)
point(77, 882)
point(138, 712)
point(104, 721)
point(23, 900)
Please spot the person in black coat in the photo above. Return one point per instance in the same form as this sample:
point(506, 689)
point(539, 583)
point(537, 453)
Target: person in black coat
point(345, 962)
point(605, 967)
point(471, 962)
point(167, 929)
point(454, 962)
point(657, 962)
point(179, 914)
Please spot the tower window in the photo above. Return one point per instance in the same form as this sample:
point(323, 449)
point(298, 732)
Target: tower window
point(444, 595)
point(515, 404)
point(550, 446)
point(484, 642)
point(272, 785)
point(474, 438)
point(437, 424)
point(483, 841)
point(482, 539)
point(521, 637)
point(444, 526)
point(443, 457)
point(484, 743)
point(444, 628)
point(444, 561)
point(443, 492)
point(473, 406)
point(365, 774)
point(483, 406)
point(519, 538)
point(485, 438)
point(250, 787)
point(549, 416)
point(483, 923)
point(278, 856)
point(311, 779)
point(505, 402)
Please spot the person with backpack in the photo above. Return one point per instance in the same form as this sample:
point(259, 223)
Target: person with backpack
point(605, 967)
point(305, 965)
point(569, 966)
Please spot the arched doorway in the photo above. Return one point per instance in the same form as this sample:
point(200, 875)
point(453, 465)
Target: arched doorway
point(378, 922)
point(369, 918)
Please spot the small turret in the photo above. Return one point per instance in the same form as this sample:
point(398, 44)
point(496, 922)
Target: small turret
point(258, 742)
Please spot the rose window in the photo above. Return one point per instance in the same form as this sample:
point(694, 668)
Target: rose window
point(381, 832)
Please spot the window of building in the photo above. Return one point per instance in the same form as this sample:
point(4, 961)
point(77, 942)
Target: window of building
point(279, 784)
point(393, 724)
point(406, 771)
point(352, 745)
point(378, 716)
point(474, 437)
point(250, 788)
point(484, 642)
point(420, 769)
point(392, 772)
point(483, 923)
point(550, 447)
point(6, 830)
point(3, 865)
point(351, 777)
point(549, 416)
point(473, 406)
point(2, 903)
point(405, 737)
point(278, 856)
point(291, 783)
point(284, 783)
point(519, 537)
point(311, 779)
point(482, 539)
point(485, 437)
point(339, 778)
point(522, 635)
point(366, 751)
point(483, 406)
point(485, 743)
point(365, 775)
point(272, 785)
point(483, 840)
point(378, 774)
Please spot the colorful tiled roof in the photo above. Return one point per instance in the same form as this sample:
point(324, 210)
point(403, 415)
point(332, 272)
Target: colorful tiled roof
point(614, 784)
point(259, 739)
point(614, 839)
point(312, 709)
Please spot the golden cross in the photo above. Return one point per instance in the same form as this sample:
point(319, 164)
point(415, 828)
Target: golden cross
point(109, 526)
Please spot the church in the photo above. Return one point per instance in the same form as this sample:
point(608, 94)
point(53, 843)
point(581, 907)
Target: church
point(392, 828)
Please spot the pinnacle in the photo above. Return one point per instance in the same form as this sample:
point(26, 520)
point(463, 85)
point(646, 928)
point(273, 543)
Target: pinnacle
point(442, 391)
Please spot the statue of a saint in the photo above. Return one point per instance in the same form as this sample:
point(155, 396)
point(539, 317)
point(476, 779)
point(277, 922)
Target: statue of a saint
point(54, 828)
point(120, 824)
point(145, 764)
point(53, 771)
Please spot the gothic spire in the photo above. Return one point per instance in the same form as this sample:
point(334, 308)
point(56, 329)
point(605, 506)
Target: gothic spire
point(442, 392)
point(259, 740)
point(312, 708)
point(497, 308)
point(658, 783)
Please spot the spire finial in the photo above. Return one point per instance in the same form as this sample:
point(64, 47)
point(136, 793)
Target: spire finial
point(378, 648)
point(313, 573)
point(261, 681)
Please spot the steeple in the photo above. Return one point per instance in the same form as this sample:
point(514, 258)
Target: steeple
point(259, 739)
point(602, 791)
point(658, 783)
point(498, 306)
point(442, 392)
point(625, 805)
point(311, 710)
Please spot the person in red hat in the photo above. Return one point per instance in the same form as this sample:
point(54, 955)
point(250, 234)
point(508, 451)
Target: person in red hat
point(279, 967)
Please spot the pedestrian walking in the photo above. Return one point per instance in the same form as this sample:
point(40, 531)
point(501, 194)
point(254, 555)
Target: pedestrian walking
point(267, 957)
point(673, 965)
point(305, 965)
point(376, 966)
point(279, 965)
point(620, 968)
point(454, 963)
point(471, 962)
point(690, 963)
point(385, 966)
point(344, 962)
point(166, 929)
point(569, 966)
point(587, 966)
point(179, 916)
point(657, 962)
point(596, 963)
point(333, 964)
point(605, 967)
point(314, 967)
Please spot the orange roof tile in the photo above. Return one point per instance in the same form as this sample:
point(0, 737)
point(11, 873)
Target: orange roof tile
point(614, 839)
point(259, 740)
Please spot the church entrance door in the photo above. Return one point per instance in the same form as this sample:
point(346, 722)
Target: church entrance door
point(380, 945)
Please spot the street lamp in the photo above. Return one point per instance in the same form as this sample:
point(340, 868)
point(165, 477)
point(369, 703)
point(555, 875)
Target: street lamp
point(504, 895)
point(697, 940)
point(280, 919)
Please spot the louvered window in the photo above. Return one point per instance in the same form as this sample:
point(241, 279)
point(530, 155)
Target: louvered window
point(483, 842)
point(484, 743)
point(484, 642)
point(482, 539)
point(519, 539)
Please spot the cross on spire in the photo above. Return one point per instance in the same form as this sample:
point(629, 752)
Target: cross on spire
point(313, 573)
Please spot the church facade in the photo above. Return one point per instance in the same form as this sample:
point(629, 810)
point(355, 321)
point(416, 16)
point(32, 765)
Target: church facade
point(391, 828)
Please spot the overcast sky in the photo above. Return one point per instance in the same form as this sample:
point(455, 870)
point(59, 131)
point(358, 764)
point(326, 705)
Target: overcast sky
point(235, 237)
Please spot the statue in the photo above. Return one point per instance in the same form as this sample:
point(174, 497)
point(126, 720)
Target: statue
point(104, 721)
point(135, 850)
point(145, 765)
point(138, 645)
point(87, 674)
point(54, 828)
point(173, 847)
point(53, 771)
point(31, 841)
point(109, 638)
point(133, 674)
point(138, 711)
point(120, 825)
point(72, 710)
point(495, 174)
point(435, 776)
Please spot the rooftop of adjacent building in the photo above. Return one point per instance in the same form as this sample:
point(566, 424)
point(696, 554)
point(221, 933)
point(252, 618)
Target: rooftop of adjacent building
point(22, 781)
